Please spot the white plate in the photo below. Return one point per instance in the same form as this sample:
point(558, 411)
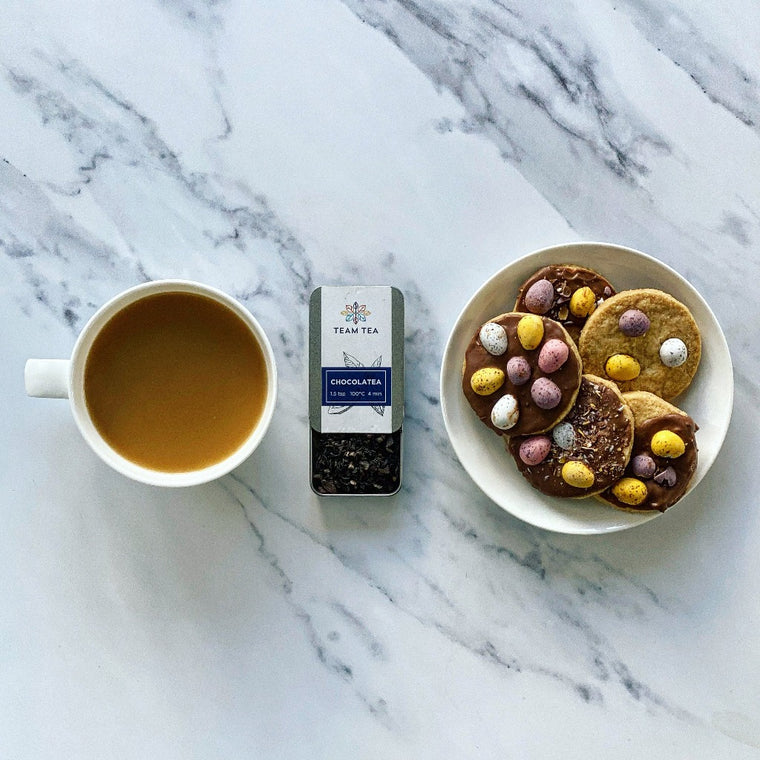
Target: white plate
point(708, 399)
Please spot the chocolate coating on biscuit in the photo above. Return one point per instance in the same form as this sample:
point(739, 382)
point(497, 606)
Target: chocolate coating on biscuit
point(532, 418)
point(566, 279)
point(603, 434)
point(660, 496)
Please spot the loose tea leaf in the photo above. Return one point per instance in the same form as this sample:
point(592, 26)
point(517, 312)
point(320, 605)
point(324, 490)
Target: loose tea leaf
point(356, 463)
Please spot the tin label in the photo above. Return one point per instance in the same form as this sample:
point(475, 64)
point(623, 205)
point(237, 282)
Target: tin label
point(356, 387)
point(356, 359)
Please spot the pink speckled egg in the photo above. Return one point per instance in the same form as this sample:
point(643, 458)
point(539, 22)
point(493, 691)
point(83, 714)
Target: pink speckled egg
point(633, 323)
point(545, 393)
point(535, 449)
point(539, 297)
point(553, 355)
point(643, 466)
point(518, 370)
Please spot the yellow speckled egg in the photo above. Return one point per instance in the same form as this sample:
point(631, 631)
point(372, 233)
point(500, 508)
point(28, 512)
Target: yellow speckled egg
point(530, 331)
point(666, 443)
point(582, 302)
point(577, 474)
point(487, 380)
point(622, 367)
point(630, 491)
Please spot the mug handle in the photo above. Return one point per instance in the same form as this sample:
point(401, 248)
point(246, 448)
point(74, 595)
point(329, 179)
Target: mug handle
point(47, 378)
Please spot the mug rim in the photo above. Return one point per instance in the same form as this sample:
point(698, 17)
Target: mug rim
point(81, 412)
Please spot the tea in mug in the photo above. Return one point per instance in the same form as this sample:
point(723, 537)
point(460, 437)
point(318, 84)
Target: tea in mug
point(175, 382)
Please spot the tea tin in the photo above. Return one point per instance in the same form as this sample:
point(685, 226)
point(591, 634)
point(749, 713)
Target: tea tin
point(356, 389)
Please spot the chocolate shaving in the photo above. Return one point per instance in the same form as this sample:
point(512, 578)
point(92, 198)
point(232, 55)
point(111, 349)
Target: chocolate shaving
point(600, 428)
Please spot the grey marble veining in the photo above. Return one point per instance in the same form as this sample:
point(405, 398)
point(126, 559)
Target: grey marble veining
point(266, 149)
point(531, 80)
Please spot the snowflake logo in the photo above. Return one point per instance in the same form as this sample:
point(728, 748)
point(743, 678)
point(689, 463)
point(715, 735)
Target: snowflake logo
point(356, 313)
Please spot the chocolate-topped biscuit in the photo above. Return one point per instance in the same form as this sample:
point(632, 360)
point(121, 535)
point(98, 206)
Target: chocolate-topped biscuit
point(521, 373)
point(663, 460)
point(587, 451)
point(566, 293)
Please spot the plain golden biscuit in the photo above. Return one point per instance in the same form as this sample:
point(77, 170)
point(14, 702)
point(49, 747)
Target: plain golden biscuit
point(643, 340)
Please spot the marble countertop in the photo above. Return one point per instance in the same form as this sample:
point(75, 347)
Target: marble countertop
point(266, 148)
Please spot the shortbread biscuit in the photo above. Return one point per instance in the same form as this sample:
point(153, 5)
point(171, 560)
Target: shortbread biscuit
point(644, 340)
point(555, 302)
point(661, 466)
point(521, 383)
point(587, 451)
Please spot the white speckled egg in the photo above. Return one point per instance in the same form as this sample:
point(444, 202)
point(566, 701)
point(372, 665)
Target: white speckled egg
point(564, 435)
point(493, 338)
point(505, 412)
point(673, 352)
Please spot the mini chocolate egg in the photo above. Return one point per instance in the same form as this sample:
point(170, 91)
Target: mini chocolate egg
point(673, 352)
point(518, 370)
point(553, 355)
point(630, 491)
point(530, 331)
point(493, 338)
point(539, 297)
point(545, 393)
point(535, 449)
point(564, 435)
point(582, 302)
point(577, 474)
point(633, 323)
point(666, 443)
point(505, 412)
point(622, 367)
point(487, 380)
point(666, 478)
point(643, 466)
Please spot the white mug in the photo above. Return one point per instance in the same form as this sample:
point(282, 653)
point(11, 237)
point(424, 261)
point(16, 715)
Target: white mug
point(64, 378)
